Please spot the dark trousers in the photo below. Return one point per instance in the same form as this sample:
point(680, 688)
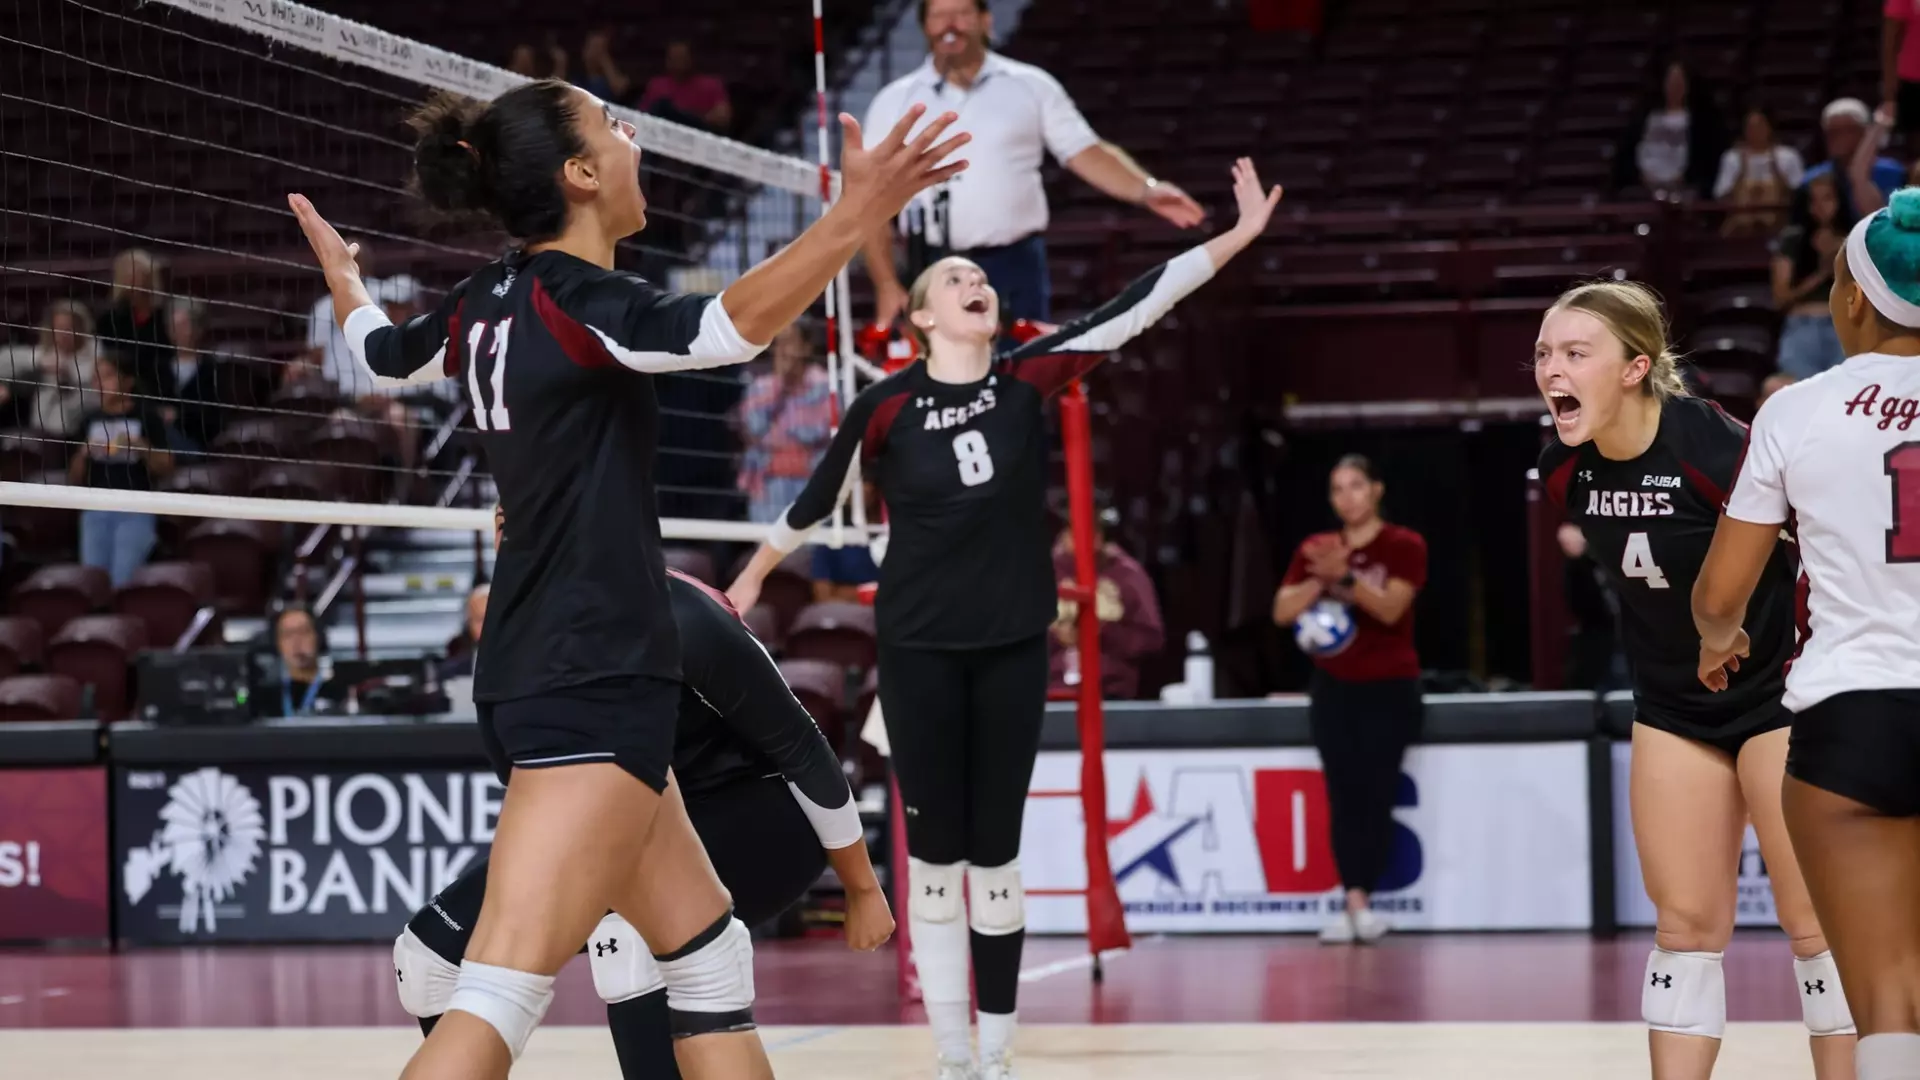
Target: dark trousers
point(1018, 272)
point(1362, 730)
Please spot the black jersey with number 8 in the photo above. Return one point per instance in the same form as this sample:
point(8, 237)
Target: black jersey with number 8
point(1648, 522)
point(555, 355)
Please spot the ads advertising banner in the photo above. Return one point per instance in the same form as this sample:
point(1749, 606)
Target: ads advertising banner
point(53, 854)
point(1236, 841)
point(1632, 908)
point(291, 853)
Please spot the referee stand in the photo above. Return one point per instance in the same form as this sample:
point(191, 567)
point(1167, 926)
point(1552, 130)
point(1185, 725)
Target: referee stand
point(1106, 919)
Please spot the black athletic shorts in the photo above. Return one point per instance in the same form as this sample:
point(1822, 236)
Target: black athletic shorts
point(1863, 745)
point(1728, 742)
point(1907, 104)
point(629, 722)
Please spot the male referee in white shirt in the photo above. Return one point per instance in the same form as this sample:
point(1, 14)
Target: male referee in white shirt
point(996, 212)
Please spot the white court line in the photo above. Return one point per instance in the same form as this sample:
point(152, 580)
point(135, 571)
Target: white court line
point(50, 992)
point(1085, 960)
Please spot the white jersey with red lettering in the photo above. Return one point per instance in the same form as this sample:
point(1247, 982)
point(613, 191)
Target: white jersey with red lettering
point(1837, 459)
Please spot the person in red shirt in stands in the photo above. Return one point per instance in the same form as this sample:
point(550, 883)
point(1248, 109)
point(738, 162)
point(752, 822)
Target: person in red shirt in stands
point(1365, 699)
point(1130, 624)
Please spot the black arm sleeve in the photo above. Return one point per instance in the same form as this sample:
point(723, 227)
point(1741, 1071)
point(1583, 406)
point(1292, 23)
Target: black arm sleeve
point(723, 663)
point(413, 352)
point(1052, 361)
point(823, 489)
point(650, 330)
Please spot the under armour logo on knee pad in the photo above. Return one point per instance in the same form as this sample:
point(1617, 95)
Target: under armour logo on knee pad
point(1817, 986)
point(1664, 982)
point(933, 890)
point(999, 894)
point(401, 976)
point(602, 948)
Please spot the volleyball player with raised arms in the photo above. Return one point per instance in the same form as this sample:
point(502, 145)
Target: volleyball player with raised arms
point(767, 797)
point(1836, 459)
point(957, 445)
point(578, 673)
point(1642, 468)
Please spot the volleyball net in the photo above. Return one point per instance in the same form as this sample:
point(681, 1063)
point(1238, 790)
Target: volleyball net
point(167, 347)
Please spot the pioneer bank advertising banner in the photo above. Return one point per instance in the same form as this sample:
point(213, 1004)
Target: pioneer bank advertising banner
point(1233, 841)
point(291, 854)
point(1755, 898)
point(53, 854)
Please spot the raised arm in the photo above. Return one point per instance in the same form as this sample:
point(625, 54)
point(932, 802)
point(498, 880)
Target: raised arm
point(414, 352)
point(1052, 361)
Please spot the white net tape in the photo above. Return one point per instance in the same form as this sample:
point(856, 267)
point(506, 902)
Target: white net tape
point(145, 153)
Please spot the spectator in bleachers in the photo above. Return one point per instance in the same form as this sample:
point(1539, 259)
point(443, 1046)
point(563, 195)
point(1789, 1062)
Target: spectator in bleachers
point(1016, 114)
point(1757, 172)
point(399, 297)
point(49, 384)
point(1678, 138)
point(1852, 142)
point(1803, 274)
point(786, 421)
point(135, 322)
point(524, 61)
point(126, 449)
point(1772, 385)
point(196, 416)
point(1900, 67)
point(685, 96)
point(600, 74)
point(301, 683)
point(1129, 610)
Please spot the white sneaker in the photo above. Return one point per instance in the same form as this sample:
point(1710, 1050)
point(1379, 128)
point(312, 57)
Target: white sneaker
point(956, 1070)
point(997, 1067)
point(1339, 930)
point(1368, 926)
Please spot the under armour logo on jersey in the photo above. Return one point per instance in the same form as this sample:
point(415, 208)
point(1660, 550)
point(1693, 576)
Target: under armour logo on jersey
point(1586, 474)
point(602, 948)
point(923, 403)
point(932, 890)
point(505, 286)
point(1664, 982)
point(1817, 986)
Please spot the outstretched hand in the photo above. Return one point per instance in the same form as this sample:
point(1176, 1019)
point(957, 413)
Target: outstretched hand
point(1256, 206)
point(336, 256)
point(877, 181)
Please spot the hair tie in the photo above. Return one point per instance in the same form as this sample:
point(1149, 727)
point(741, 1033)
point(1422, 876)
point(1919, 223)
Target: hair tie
point(468, 147)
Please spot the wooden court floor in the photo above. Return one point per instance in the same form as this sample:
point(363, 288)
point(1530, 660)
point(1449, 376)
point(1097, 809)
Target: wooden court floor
point(1308, 1051)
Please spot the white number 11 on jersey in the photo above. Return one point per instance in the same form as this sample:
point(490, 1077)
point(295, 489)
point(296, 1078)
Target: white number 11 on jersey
point(494, 419)
point(1638, 562)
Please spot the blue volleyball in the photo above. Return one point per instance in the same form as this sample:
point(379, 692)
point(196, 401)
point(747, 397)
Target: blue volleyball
point(1325, 629)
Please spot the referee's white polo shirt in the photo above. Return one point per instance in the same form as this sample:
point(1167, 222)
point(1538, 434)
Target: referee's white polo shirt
point(1014, 112)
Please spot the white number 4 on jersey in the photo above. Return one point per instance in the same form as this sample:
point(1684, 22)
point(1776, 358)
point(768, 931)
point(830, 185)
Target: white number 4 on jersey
point(1637, 562)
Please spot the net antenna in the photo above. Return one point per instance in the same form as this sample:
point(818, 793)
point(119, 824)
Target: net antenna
point(176, 126)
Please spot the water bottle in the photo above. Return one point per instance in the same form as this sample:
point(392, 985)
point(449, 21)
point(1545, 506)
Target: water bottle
point(1073, 666)
point(1199, 669)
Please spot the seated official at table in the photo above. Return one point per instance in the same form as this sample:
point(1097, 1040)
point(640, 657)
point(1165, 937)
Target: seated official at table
point(299, 677)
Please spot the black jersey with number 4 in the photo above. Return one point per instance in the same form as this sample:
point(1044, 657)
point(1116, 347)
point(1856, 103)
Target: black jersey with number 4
point(962, 467)
point(1648, 522)
point(556, 356)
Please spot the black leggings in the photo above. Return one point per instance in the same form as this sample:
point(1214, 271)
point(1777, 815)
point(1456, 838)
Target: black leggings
point(761, 846)
point(964, 727)
point(1362, 730)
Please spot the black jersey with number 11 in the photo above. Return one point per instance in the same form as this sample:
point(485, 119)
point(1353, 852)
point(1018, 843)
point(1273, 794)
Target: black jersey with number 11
point(1648, 522)
point(556, 355)
point(962, 467)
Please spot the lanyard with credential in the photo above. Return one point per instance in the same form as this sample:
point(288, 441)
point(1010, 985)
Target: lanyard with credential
point(286, 696)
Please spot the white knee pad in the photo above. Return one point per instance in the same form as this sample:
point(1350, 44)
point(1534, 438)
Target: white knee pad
point(996, 900)
point(1821, 1001)
point(936, 890)
point(623, 969)
point(424, 978)
point(710, 981)
point(514, 1002)
point(1685, 993)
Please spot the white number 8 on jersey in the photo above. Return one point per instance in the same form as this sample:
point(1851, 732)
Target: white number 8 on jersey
point(976, 463)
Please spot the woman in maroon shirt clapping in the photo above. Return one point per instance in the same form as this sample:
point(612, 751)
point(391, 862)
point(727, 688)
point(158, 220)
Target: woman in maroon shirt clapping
point(1365, 696)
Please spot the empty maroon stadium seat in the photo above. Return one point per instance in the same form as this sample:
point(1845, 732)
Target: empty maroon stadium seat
point(166, 596)
point(821, 687)
point(24, 455)
point(269, 436)
point(22, 644)
point(98, 650)
point(307, 394)
point(39, 697)
point(692, 562)
point(788, 587)
point(44, 529)
point(760, 623)
point(358, 450)
point(242, 554)
point(56, 594)
point(837, 631)
point(311, 482)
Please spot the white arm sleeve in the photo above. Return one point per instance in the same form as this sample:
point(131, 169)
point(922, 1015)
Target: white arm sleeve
point(1183, 274)
point(361, 325)
point(837, 828)
point(1760, 486)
